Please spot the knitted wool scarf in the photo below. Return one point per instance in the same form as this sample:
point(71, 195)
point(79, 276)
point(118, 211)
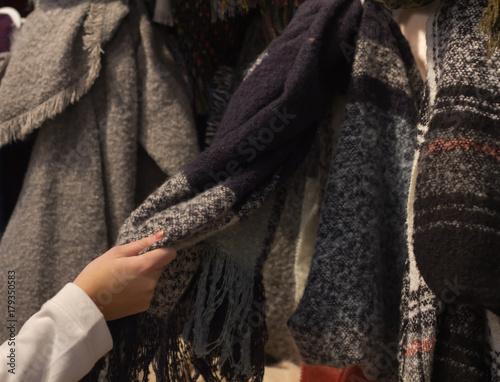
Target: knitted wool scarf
point(90, 116)
point(450, 327)
point(227, 195)
point(213, 316)
point(351, 301)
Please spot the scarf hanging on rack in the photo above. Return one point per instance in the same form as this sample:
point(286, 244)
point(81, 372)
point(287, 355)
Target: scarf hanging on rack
point(351, 300)
point(451, 289)
point(219, 352)
point(87, 113)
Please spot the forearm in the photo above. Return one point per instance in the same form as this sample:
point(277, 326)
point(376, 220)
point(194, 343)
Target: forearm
point(59, 343)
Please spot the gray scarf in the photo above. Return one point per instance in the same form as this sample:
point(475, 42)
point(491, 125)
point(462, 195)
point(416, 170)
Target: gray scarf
point(91, 82)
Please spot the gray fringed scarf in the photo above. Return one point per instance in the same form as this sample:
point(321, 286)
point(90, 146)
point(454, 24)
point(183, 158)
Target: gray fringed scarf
point(93, 82)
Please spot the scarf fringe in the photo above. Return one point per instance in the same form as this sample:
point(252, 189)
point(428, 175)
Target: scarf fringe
point(223, 340)
point(19, 127)
point(216, 329)
point(22, 125)
point(489, 25)
point(172, 362)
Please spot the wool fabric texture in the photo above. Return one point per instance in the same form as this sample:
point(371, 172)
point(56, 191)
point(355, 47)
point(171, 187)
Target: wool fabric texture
point(351, 301)
point(90, 111)
point(280, 267)
point(450, 295)
point(265, 133)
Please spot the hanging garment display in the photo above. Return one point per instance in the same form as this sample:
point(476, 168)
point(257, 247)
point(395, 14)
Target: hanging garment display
point(265, 132)
point(91, 111)
point(349, 313)
point(244, 213)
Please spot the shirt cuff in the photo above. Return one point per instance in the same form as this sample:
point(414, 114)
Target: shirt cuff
point(72, 300)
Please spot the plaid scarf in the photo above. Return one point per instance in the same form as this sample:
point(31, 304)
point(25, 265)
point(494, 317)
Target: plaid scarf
point(451, 289)
point(212, 315)
point(351, 301)
point(202, 313)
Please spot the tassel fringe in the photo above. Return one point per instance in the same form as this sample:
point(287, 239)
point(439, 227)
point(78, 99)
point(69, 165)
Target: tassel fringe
point(22, 125)
point(216, 329)
point(203, 335)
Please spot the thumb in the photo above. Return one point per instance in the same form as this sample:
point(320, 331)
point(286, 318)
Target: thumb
point(133, 248)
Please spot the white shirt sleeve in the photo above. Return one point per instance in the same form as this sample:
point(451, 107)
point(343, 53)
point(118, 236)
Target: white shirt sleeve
point(60, 343)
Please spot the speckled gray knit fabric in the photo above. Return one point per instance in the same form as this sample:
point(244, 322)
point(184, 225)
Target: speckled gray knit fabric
point(349, 312)
point(280, 268)
point(90, 109)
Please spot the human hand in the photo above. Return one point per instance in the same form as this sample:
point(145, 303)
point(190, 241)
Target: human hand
point(121, 283)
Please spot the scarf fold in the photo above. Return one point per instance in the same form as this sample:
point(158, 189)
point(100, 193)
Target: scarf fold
point(265, 133)
point(64, 81)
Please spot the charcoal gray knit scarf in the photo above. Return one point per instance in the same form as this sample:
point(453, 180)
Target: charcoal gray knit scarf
point(351, 300)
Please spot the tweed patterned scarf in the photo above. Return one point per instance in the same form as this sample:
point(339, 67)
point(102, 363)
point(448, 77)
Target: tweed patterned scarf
point(90, 115)
point(451, 289)
point(351, 301)
point(226, 200)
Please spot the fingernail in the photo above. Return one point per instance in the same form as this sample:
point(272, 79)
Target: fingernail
point(159, 235)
